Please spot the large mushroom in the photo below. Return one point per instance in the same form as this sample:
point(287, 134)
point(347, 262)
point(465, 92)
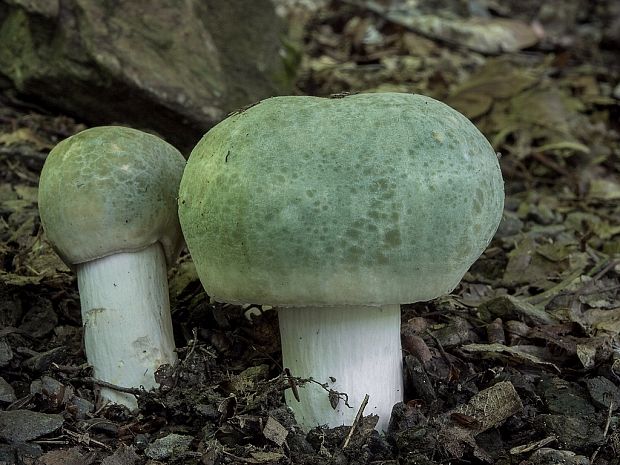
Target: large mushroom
point(107, 200)
point(336, 211)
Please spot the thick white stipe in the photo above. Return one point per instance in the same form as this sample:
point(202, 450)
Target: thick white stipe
point(126, 318)
point(358, 346)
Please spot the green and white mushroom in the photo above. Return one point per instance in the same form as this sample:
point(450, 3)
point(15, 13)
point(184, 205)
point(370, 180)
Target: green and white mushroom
point(337, 211)
point(107, 200)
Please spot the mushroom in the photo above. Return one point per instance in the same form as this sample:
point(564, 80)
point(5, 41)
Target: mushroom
point(107, 201)
point(337, 211)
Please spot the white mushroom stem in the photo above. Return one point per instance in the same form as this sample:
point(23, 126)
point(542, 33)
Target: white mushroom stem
point(126, 318)
point(359, 347)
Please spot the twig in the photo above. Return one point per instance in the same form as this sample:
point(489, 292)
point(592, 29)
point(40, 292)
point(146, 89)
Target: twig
point(441, 349)
point(85, 439)
point(607, 423)
point(550, 164)
point(192, 346)
point(358, 418)
point(52, 442)
point(105, 384)
point(526, 448)
point(69, 369)
point(19, 403)
point(554, 291)
point(301, 381)
point(609, 266)
point(104, 404)
point(291, 383)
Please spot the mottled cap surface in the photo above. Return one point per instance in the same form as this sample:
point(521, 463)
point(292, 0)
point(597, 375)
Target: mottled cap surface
point(111, 189)
point(368, 199)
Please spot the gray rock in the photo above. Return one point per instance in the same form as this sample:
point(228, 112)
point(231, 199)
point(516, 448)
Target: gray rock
point(164, 448)
point(51, 389)
point(604, 392)
point(509, 226)
point(124, 455)
point(564, 397)
point(571, 432)
point(41, 362)
point(80, 407)
point(19, 453)
point(40, 319)
point(7, 394)
point(25, 425)
point(6, 354)
point(174, 67)
point(546, 456)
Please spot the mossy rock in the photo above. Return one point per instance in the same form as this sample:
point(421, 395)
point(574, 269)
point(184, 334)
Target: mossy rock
point(176, 68)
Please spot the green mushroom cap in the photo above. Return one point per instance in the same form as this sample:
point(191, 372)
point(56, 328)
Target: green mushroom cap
point(111, 189)
point(371, 199)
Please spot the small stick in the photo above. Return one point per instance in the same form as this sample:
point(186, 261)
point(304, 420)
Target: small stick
point(98, 382)
point(292, 384)
point(192, 347)
point(358, 418)
point(598, 449)
point(441, 349)
point(525, 448)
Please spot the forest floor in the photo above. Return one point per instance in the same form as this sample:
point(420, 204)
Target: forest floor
point(519, 365)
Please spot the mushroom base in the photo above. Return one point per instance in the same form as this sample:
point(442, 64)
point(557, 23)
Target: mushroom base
point(126, 318)
point(350, 349)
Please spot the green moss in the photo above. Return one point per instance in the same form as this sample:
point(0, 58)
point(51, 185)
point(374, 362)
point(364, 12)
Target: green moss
point(17, 50)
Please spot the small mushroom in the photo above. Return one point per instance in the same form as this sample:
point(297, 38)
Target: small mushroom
point(107, 200)
point(337, 211)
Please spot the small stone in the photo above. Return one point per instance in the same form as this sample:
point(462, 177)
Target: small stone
point(80, 407)
point(7, 454)
point(124, 455)
point(100, 425)
point(207, 410)
point(7, 394)
point(53, 390)
point(6, 354)
point(166, 447)
point(248, 378)
point(509, 225)
point(274, 431)
point(575, 432)
point(19, 453)
point(546, 456)
point(25, 425)
point(71, 456)
point(40, 320)
point(604, 392)
point(141, 441)
point(41, 362)
point(566, 398)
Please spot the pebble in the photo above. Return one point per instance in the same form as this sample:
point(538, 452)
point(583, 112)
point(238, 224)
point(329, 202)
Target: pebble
point(164, 448)
point(6, 354)
point(603, 392)
point(7, 394)
point(41, 362)
point(25, 425)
